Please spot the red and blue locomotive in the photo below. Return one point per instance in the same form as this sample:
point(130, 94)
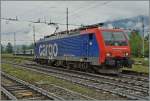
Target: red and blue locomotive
point(88, 49)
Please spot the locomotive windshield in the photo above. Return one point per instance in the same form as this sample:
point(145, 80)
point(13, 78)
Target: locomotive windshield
point(114, 39)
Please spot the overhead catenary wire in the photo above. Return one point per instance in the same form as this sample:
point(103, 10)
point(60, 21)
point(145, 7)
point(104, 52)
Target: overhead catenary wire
point(74, 11)
point(77, 16)
point(53, 23)
point(74, 14)
point(17, 40)
point(38, 21)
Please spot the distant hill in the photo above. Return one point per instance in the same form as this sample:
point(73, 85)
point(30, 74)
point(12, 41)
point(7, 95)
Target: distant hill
point(130, 23)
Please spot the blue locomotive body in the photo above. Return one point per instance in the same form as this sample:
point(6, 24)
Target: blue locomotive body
point(93, 49)
point(78, 47)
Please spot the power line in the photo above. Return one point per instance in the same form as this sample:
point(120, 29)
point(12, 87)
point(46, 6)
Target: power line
point(17, 40)
point(75, 11)
point(38, 21)
point(93, 6)
point(90, 8)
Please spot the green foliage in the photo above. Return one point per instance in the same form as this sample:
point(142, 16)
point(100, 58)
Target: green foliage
point(19, 48)
point(147, 37)
point(146, 46)
point(24, 47)
point(138, 69)
point(36, 77)
point(136, 44)
point(31, 46)
point(2, 48)
point(9, 48)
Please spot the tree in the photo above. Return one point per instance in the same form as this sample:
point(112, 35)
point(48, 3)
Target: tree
point(146, 45)
point(135, 43)
point(24, 48)
point(146, 37)
point(9, 48)
point(31, 46)
point(146, 48)
point(2, 48)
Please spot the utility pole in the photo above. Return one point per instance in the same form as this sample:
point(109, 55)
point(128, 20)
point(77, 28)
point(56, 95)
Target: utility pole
point(67, 20)
point(14, 43)
point(143, 34)
point(34, 35)
point(44, 20)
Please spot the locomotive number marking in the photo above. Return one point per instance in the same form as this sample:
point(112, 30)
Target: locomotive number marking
point(49, 50)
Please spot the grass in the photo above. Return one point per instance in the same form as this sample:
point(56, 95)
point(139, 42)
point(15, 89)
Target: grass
point(16, 59)
point(34, 77)
point(11, 56)
point(138, 68)
point(38, 78)
point(142, 60)
point(141, 68)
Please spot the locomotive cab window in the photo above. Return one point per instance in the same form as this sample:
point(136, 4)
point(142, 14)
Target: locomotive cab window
point(114, 39)
point(90, 36)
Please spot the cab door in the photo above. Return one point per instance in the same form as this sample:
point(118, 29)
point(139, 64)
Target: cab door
point(90, 45)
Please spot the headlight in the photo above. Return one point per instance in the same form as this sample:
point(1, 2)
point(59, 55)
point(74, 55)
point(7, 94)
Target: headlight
point(108, 54)
point(126, 54)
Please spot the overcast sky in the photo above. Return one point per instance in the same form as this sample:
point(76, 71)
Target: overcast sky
point(80, 12)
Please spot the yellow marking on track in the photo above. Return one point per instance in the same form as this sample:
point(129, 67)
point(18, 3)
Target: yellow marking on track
point(24, 94)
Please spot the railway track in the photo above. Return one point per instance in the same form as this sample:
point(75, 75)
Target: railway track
point(65, 93)
point(136, 77)
point(122, 79)
point(16, 89)
point(97, 82)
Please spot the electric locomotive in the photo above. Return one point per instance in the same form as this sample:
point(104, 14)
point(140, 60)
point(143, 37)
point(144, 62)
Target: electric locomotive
point(91, 48)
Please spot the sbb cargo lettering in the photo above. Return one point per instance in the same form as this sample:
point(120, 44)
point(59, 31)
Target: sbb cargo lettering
point(50, 50)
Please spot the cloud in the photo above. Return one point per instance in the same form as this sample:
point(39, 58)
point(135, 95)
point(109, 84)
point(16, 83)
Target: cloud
point(80, 12)
point(110, 26)
point(138, 25)
point(129, 23)
point(41, 30)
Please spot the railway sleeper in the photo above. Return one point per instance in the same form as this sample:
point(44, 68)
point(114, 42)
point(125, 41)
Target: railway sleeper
point(30, 89)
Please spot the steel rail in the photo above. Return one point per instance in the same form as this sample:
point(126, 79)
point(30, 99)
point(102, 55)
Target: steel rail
point(86, 84)
point(133, 76)
point(95, 77)
point(8, 94)
point(37, 89)
point(98, 80)
point(84, 96)
point(91, 85)
point(47, 70)
point(74, 92)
